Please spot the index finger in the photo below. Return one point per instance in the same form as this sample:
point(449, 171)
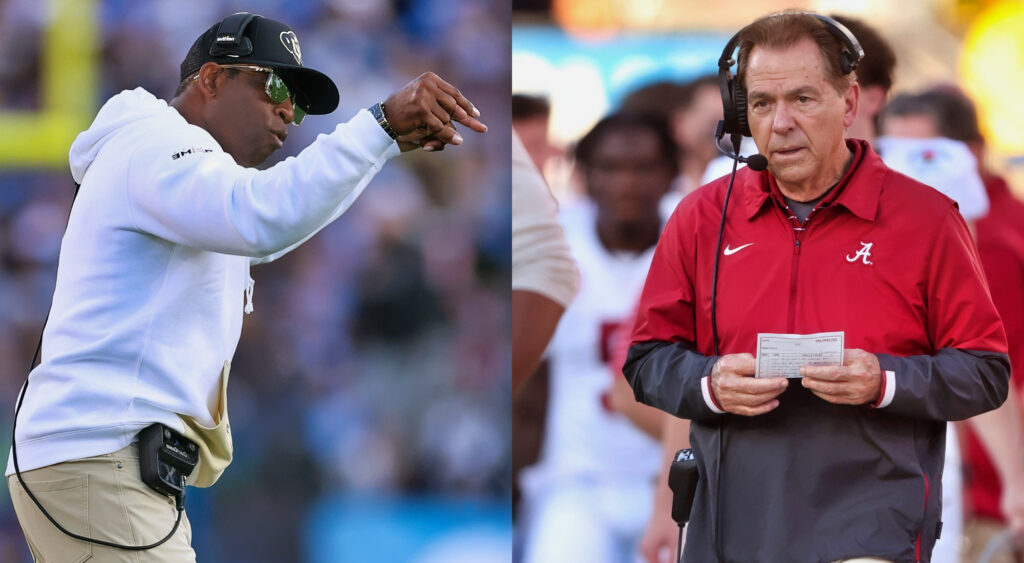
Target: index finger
point(761, 385)
point(471, 122)
point(740, 364)
point(824, 373)
point(459, 98)
point(470, 119)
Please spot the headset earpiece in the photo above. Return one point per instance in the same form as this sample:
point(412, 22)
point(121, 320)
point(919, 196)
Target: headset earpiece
point(847, 63)
point(734, 105)
point(739, 100)
point(852, 53)
point(731, 109)
point(230, 41)
point(729, 113)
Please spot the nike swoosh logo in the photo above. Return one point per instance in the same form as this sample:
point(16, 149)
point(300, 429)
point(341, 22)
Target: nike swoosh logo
point(730, 251)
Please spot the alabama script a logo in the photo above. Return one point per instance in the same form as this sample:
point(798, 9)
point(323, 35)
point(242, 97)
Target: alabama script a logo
point(863, 254)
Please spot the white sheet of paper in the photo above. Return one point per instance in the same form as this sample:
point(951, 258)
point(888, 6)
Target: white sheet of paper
point(782, 355)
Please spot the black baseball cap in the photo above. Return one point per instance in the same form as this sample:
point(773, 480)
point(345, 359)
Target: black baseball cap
point(254, 39)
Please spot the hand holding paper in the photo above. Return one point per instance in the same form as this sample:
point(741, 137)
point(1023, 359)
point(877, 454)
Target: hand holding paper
point(856, 382)
point(736, 389)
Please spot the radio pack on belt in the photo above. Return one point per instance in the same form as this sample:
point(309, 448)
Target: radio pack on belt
point(166, 458)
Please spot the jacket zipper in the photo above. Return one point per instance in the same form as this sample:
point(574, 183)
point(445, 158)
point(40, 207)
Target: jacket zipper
point(798, 235)
point(920, 532)
point(793, 276)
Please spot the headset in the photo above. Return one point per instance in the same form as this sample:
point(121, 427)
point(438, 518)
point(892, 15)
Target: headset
point(734, 122)
point(230, 41)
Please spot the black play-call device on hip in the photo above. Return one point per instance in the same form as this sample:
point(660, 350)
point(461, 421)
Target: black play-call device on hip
point(166, 458)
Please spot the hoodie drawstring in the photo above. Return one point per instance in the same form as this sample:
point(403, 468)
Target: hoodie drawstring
point(248, 295)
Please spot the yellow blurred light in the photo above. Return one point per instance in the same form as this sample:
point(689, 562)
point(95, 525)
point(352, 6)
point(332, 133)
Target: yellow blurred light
point(990, 70)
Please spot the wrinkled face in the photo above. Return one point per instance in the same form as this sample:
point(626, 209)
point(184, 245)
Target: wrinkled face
point(627, 175)
point(243, 119)
point(797, 118)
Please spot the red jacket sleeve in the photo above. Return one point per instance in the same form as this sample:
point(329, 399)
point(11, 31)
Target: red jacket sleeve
point(666, 311)
point(662, 365)
point(969, 372)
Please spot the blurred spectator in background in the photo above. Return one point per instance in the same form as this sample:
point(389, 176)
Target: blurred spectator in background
point(544, 281)
point(588, 496)
point(663, 98)
point(329, 382)
point(692, 111)
point(693, 127)
point(544, 275)
point(530, 119)
point(912, 144)
point(874, 74)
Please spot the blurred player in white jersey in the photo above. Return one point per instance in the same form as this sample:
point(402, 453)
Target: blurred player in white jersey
point(588, 497)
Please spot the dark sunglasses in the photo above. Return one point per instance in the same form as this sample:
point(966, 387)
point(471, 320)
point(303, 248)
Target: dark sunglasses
point(276, 89)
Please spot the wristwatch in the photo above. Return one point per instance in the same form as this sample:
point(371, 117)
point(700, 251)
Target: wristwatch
point(377, 111)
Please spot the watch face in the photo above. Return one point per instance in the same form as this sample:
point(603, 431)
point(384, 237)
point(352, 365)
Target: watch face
point(377, 111)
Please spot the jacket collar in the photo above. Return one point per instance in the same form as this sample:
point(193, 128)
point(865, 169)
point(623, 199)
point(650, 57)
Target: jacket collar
point(858, 191)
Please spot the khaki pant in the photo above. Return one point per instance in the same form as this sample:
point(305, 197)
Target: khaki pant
point(101, 497)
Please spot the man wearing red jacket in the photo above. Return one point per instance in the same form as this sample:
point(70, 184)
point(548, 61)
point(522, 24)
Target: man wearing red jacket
point(846, 461)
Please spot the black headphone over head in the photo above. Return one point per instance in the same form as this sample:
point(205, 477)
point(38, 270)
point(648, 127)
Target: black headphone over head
point(734, 98)
point(230, 40)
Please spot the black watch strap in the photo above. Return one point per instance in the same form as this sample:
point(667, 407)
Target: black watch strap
point(377, 110)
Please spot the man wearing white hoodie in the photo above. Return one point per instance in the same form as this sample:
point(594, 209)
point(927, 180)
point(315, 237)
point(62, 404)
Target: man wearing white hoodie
point(148, 303)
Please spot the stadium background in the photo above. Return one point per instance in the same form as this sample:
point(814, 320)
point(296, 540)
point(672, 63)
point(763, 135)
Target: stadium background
point(370, 399)
point(369, 396)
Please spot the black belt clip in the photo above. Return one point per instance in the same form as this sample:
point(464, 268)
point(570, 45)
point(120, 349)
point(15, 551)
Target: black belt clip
point(166, 458)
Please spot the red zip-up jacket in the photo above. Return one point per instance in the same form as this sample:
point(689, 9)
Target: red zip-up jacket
point(885, 259)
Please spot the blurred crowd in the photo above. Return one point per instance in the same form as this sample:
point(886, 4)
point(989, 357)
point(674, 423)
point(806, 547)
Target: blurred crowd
point(376, 361)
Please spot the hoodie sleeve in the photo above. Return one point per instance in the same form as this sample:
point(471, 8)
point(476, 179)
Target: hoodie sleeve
point(203, 199)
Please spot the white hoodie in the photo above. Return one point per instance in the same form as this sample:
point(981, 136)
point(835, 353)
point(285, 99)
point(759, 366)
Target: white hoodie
point(154, 265)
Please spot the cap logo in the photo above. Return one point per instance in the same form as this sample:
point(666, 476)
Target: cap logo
point(291, 43)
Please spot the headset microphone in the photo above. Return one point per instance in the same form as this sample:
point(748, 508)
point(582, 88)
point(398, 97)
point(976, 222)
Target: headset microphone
point(755, 161)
